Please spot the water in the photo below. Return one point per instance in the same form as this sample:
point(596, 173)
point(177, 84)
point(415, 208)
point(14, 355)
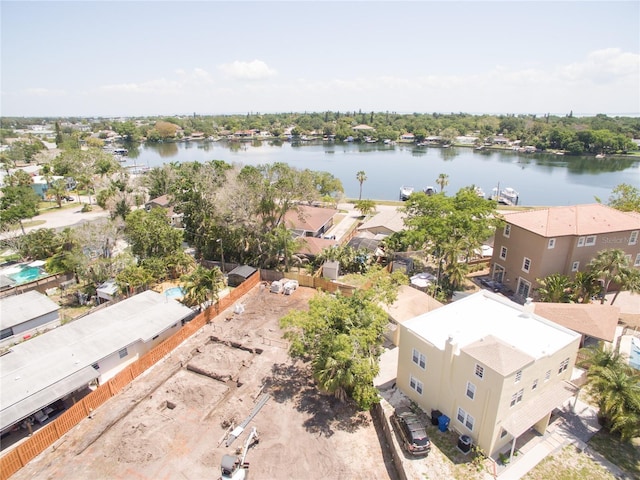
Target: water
point(27, 274)
point(634, 354)
point(174, 292)
point(541, 179)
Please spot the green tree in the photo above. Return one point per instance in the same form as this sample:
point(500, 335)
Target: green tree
point(58, 190)
point(133, 278)
point(584, 287)
point(555, 288)
point(151, 234)
point(442, 181)
point(625, 198)
point(361, 176)
point(365, 207)
point(612, 266)
point(202, 286)
point(18, 202)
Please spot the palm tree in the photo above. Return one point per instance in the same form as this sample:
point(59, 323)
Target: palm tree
point(611, 266)
point(442, 181)
point(554, 288)
point(585, 286)
point(202, 286)
point(361, 176)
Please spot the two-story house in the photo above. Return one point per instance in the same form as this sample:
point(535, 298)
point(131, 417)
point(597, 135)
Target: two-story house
point(538, 243)
point(490, 365)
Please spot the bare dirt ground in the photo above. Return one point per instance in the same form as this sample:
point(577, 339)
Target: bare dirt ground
point(211, 381)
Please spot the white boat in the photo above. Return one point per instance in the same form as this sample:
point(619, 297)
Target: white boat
point(430, 190)
point(405, 192)
point(506, 196)
point(478, 191)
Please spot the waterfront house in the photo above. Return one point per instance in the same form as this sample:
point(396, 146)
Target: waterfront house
point(385, 223)
point(537, 243)
point(309, 221)
point(164, 202)
point(491, 367)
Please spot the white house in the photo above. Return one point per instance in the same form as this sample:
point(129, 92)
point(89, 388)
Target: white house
point(21, 316)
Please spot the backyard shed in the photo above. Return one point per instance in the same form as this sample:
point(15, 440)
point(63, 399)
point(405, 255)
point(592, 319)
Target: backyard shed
point(240, 274)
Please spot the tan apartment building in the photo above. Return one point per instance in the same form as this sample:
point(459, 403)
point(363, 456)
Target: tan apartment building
point(538, 243)
point(492, 366)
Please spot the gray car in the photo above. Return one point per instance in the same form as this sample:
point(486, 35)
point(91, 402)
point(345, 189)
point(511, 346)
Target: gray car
point(411, 431)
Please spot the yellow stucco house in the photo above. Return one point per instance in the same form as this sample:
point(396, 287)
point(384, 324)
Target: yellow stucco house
point(492, 366)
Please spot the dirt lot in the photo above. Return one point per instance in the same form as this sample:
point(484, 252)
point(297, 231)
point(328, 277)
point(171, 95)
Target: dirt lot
point(302, 434)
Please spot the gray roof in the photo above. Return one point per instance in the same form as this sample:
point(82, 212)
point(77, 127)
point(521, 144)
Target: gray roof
point(243, 270)
point(18, 309)
point(38, 372)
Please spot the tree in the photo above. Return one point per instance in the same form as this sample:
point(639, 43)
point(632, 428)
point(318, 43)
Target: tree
point(554, 288)
point(203, 286)
point(612, 266)
point(19, 201)
point(342, 337)
point(58, 190)
point(151, 234)
point(361, 176)
point(442, 181)
point(365, 206)
point(625, 198)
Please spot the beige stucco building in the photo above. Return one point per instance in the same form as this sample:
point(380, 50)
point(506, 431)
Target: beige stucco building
point(538, 243)
point(489, 364)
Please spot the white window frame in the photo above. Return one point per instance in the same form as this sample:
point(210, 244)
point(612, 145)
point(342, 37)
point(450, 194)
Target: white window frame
point(123, 352)
point(503, 253)
point(416, 384)
point(590, 240)
point(516, 398)
point(551, 244)
point(547, 376)
point(479, 371)
point(507, 230)
point(419, 359)
point(637, 262)
point(471, 391)
point(518, 376)
point(563, 366)
point(525, 267)
point(633, 238)
point(575, 266)
point(526, 285)
point(465, 419)
point(580, 242)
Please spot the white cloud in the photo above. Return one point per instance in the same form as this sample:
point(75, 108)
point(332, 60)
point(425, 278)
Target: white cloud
point(254, 70)
point(44, 92)
point(602, 66)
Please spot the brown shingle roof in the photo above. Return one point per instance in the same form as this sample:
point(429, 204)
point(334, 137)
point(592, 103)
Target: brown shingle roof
point(498, 355)
point(592, 319)
point(309, 219)
point(591, 219)
point(314, 245)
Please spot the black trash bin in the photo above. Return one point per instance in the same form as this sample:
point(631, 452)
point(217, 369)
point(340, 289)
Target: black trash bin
point(435, 415)
point(464, 443)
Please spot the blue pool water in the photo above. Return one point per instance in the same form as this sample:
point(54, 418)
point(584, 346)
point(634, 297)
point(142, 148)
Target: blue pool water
point(174, 292)
point(27, 274)
point(634, 355)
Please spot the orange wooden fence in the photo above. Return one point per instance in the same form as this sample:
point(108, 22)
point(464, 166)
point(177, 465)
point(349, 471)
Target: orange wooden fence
point(19, 456)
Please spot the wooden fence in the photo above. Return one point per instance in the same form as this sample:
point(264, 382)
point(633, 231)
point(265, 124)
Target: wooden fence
point(19, 456)
point(309, 281)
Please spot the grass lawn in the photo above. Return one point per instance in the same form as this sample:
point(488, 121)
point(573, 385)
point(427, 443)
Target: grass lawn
point(568, 464)
point(624, 455)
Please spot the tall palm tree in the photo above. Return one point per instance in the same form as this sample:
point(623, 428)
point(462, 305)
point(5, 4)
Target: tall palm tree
point(611, 266)
point(442, 181)
point(554, 288)
point(585, 286)
point(361, 176)
point(202, 286)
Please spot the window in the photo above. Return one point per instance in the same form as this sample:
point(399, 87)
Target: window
point(419, 359)
point(563, 366)
point(503, 253)
point(123, 353)
point(534, 385)
point(575, 266)
point(517, 397)
point(526, 264)
point(465, 419)
point(518, 376)
point(471, 390)
point(479, 371)
point(581, 242)
point(507, 230)
point(552, 243)
point(415, 384)
point(547, 375)
point(633, 238)
point(524, 288)
point(96, 366)
point(6, 333)
point(503, 433)
point(155, 337)
point(590, 241)
point(637, 262)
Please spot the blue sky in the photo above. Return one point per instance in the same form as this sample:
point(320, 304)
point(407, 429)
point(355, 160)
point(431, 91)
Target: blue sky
point(126, 58)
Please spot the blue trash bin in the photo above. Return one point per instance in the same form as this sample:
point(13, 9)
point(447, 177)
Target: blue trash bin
point(443, 423)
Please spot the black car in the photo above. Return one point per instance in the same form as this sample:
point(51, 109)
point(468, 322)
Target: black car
point(412, 432)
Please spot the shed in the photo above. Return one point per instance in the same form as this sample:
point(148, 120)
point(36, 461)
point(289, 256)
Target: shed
point(240, 274)
point(107, 291)
point(331, 270)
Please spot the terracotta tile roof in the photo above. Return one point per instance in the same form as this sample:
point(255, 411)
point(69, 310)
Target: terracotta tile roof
point(314, 245)
point(592, 319)
point(309, 219)
point(591, 219)
point(498, 355)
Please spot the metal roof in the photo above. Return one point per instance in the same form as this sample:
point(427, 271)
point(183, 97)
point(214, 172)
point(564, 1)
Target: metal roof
point(18, 309)
point(57, 361)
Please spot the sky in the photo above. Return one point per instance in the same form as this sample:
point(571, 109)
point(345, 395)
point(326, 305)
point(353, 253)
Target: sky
point(124, 58)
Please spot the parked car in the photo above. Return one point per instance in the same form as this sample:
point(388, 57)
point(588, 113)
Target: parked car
point(411, 431)
point(276, 287)
point(290, 286)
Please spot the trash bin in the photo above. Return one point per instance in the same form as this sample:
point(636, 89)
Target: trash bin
point(464, 443)
point(435, 415)
point(443, 423)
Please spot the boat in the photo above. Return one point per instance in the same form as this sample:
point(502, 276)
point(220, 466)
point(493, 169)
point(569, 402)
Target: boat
point(429, 190)
point(478, 191)
point(506, 196)
point(405, 192)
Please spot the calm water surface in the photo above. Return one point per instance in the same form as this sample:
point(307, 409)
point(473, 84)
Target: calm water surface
point(541, 179)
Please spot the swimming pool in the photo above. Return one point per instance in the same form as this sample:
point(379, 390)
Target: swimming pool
point(174, 292)
point(634, 354)
point(27, 274)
